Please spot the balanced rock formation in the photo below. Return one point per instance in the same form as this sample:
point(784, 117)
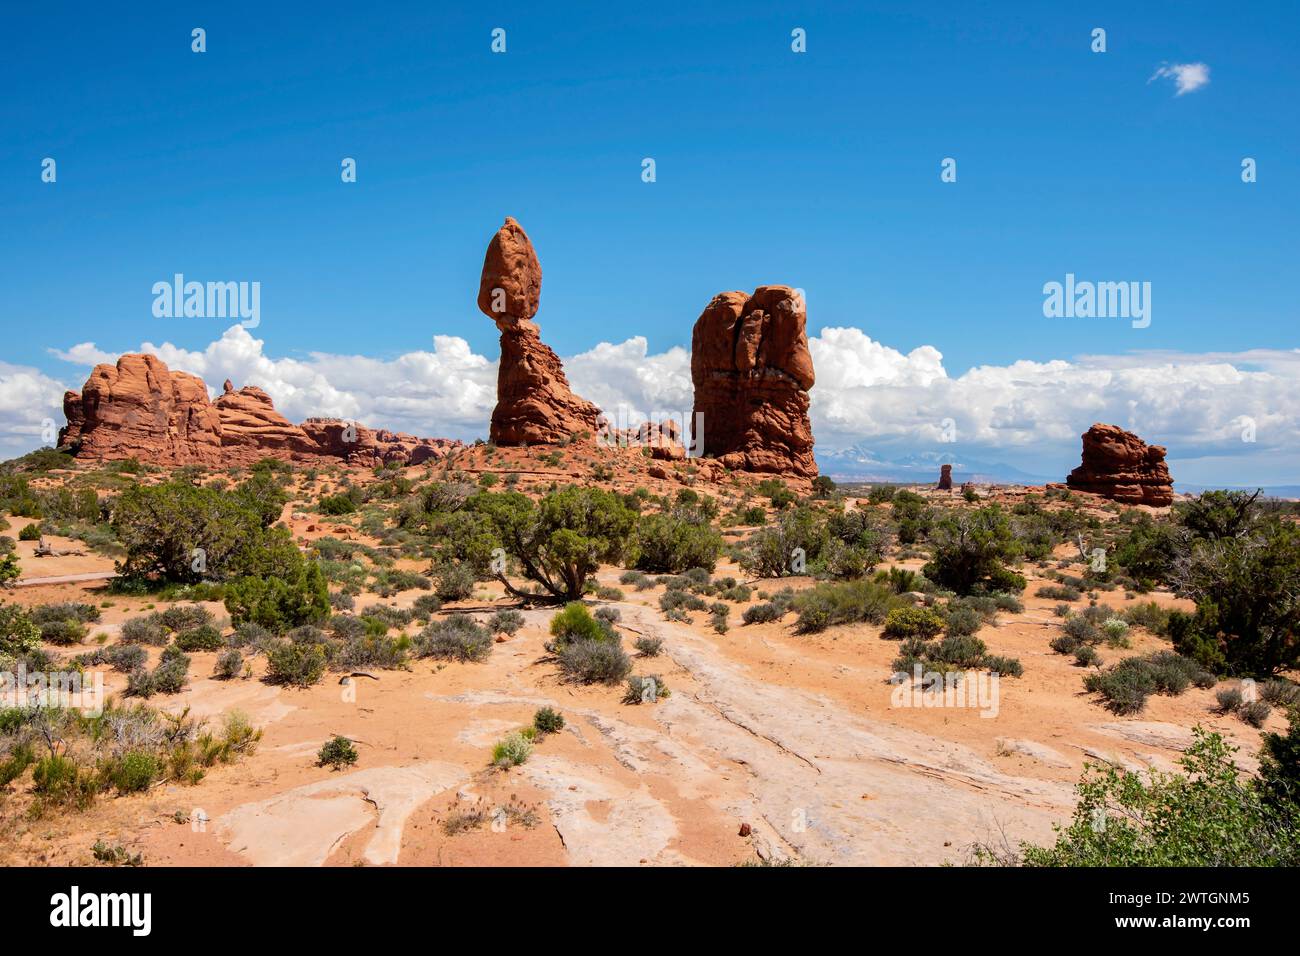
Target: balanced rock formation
point(141, 409)
point(752, 371)
point(534, 403)
point(945, 477)
point(1122, 467)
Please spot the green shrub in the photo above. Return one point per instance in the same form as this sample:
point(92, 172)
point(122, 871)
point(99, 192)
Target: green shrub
point(921, 622)
point(511, 751)
point(337, 753)
point(648, 646)
point(1058, 592)
point(335, 505)
point(1085, 655)
point(63, 632)
point(1206, 814)
point(576, 623)
point(18, 633)
point(562, 539)
point(456, 638)
point(183, 617)
point(505, 622)
point(844, 602)
point(645, 690)
point(1149, 615)
point(587, 661)
point(1229, 699)
point(230, 664)
point(31, 532)
point(299, 664)
point(202, 638)
point(761, 613)
point(1247, 618)
point(547, 720)
point(453, 582)
point(144, 630)
point(673, 542)
point(249, 634)
point(134, 771)
point(1281, 693)
point(280, 603)
point(1255, 713)
point(1126, 686)
point(58, 780)
point(970, 551)
point(65, 611)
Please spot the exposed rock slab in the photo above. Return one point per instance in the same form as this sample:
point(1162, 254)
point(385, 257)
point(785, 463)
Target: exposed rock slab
point(302, 826)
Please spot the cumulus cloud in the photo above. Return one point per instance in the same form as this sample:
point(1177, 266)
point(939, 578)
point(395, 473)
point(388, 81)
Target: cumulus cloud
point(31, 408)
point(867, 395)
point(1187, 77)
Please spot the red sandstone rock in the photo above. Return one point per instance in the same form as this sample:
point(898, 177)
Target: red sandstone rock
point(534, 403)
point(945, 477)
point(139, 408)
point(752, 371)
point(1122, 467)
point(249, 420)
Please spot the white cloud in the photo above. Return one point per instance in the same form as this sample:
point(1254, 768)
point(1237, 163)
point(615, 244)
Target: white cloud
point(867, 394)
point(1187, 77)
point(31, 407)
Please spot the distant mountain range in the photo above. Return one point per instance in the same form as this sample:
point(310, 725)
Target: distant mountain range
point(860, 464)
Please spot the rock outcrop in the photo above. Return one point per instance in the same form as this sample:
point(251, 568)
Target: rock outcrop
point(945, 477)
point(535, 405)
point(752, 370)
point(139, 408)
point(249, 420)
point(1122, 467)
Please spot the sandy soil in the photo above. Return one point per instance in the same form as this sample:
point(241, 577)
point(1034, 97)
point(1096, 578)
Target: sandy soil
point(800, 737)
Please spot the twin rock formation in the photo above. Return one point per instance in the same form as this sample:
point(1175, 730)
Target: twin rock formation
point(750, 365)
point(139, 408)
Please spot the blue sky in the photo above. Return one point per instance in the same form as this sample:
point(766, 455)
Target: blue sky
point(818, 170)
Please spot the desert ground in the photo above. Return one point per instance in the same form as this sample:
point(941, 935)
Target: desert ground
point(771, 746)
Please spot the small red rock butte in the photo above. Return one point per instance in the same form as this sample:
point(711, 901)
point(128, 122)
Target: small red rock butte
point(534, 403)
point(752, 370)
point(945, 477)
point(1122, 467)
point(139, 408)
